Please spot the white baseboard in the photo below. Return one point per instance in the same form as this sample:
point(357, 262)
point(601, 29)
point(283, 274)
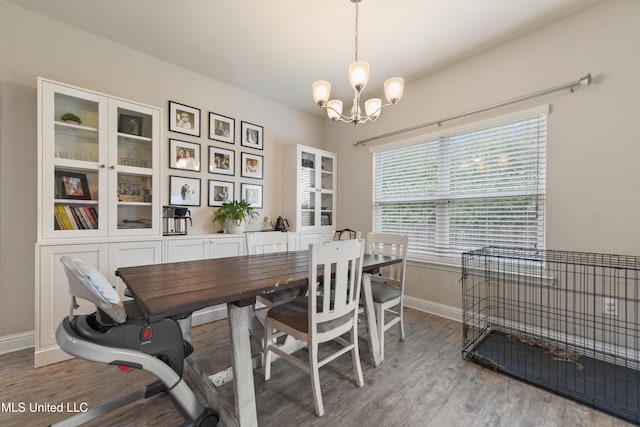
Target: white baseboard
point(446, 311)
point(15, 342)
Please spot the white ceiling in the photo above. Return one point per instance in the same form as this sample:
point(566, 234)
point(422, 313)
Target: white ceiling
point(278, 48)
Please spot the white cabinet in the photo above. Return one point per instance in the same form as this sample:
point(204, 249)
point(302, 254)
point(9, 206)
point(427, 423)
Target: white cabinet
point(98, 195)
point(204, 247)
point(193, 248)
point(310, 188)
point(129, 254)
point(52, 295)
point(98, 163)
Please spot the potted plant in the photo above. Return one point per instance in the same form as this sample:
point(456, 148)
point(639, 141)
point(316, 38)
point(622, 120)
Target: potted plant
point(232, 216)
point(71, 118)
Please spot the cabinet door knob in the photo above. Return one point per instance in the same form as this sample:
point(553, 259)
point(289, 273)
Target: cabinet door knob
point(112, 167)
point(102, 166)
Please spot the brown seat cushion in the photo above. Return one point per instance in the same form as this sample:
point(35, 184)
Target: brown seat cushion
point(294, 314)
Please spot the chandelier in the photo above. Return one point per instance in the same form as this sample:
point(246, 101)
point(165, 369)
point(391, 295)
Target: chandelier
point(358, 77)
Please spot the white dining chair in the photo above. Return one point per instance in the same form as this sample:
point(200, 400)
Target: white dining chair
point(317, 319)
point(270, 242)
point(387, 288)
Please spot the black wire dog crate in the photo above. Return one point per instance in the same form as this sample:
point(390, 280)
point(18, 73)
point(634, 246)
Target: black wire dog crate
point(565, 321)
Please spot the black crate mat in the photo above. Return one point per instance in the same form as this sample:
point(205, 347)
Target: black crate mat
point(609, 387)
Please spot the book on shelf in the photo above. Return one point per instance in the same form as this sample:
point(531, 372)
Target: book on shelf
point(68, 217)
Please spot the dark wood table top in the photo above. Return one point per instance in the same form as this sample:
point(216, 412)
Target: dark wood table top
point(183, 287)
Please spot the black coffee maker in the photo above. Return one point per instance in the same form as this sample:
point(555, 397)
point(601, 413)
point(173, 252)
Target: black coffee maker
point(280, 224)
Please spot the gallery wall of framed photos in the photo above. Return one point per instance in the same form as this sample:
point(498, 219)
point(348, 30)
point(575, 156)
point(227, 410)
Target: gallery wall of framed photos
point(214, 158)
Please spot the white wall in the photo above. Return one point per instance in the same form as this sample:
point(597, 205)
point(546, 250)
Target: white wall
point(32, 46)
point(593, 178)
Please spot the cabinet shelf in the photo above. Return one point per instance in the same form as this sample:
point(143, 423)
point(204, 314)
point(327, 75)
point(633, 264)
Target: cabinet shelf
point(135, 204)
point(71, 165)
point(75, 129)
point(127, 137)
point(75, 202)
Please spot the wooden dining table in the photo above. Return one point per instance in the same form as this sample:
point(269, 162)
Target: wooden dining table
point(180, 288)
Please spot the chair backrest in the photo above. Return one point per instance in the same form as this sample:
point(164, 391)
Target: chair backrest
point(87, 283)
point(390, 245)
point(267, 242)
point(346, 234)
point(340, 291)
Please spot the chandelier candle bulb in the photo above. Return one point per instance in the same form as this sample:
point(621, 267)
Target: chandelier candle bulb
point(321, 92)
point(359, 75)
point(334, 109)
point(393, 89)
point(372, 107)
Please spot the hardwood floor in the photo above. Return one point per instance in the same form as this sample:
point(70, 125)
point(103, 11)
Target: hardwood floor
point(423, 382)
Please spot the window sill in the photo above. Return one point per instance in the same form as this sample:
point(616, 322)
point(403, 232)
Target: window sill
point(445, 265)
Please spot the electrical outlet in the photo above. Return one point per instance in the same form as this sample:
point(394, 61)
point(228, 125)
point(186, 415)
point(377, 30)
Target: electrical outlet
point(610, 306)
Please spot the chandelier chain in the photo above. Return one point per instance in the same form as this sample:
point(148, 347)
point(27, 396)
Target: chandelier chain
point(356, 45)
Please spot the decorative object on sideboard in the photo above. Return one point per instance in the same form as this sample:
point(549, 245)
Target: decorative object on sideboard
point(232, 216)
point(358, 77)
point(281, 224)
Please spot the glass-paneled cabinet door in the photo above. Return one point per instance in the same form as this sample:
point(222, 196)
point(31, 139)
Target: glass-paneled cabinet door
point(316, 188)
point(134, 162)
point(72, 156)
point(327, 182)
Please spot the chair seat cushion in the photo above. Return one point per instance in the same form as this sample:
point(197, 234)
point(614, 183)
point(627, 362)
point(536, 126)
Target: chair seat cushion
point(295, 314)
point(382, 292)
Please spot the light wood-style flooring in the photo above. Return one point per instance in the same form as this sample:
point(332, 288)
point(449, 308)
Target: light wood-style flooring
point(423, 382)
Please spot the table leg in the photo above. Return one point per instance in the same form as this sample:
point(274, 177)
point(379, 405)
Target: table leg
point(245, 399)
point(370, 315)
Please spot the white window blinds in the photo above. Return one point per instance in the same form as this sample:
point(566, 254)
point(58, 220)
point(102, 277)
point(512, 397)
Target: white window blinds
point(465, 190)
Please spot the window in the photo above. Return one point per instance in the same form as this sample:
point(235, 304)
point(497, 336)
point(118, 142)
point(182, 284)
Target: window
point(465, 188)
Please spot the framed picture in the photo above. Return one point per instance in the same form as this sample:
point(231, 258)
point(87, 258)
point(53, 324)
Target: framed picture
point(222, 161)
point(184, 119)
point(184, 155)
point(184, 191)
point(251, 165)
point(252, 194)
point(130, 124)
point(71, 185)
point(222, 128)
point(133, 188)
point(220, 192)
point(252, 136)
